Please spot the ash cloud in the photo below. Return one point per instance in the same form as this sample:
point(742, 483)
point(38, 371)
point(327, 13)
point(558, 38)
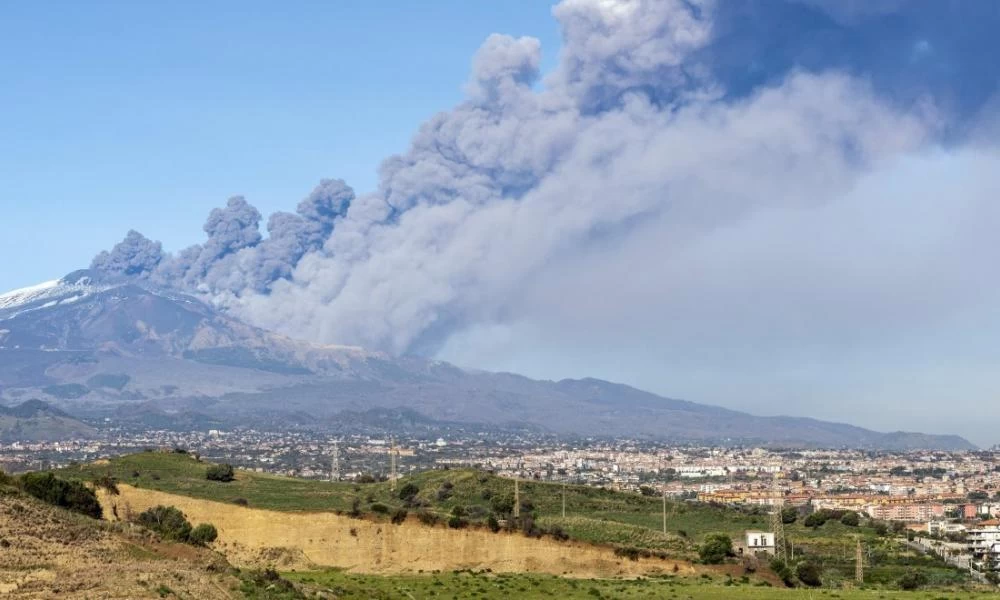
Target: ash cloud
point(683, 116)
point(135, 256)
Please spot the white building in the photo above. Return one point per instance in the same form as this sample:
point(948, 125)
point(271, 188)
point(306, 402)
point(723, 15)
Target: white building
point(984, 546)
point(756, 542)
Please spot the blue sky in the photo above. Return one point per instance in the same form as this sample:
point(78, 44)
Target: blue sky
point(779, 206)
point(119, 115)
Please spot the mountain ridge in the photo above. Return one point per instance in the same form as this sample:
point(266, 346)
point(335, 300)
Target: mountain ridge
point(92, 343)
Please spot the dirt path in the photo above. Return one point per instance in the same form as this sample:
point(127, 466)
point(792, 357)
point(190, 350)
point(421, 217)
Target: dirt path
point(299, 540)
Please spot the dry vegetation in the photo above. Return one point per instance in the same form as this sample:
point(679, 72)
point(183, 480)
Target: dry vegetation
point(46, 552)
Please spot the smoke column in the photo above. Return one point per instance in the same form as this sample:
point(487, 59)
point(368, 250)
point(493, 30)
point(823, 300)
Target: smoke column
point(682, 115)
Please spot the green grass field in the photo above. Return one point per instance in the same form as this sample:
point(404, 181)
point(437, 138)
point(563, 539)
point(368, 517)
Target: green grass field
point(593, 515)
point(463, 585)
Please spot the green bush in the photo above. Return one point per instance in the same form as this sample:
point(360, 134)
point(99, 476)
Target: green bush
point(851, 519)
point(203, 534)
point(72, 495)
point(716, 548)
point(912, 580)
point(168, 521)
point(789, 514)
point(380, 508)
point(810, 574)
point(408, 492)
point(222, 473)
point(399, 516)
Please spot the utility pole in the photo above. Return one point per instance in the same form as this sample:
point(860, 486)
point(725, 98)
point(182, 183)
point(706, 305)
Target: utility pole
point(859, 563)
point(517, 500)
point(664, 511)
point(392, 464)
point(335, 463)
point(564, 501)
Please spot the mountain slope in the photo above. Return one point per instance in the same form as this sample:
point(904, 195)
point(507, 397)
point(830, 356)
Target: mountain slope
point(35, 420)
point(87, 342)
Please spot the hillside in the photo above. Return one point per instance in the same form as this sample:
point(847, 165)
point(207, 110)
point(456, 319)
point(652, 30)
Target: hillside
point(35, 420)
point(52, 553)
point(369, 529)
point(124, 350)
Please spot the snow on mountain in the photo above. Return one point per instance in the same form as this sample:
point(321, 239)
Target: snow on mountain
point(72, 288)
point(27, 294)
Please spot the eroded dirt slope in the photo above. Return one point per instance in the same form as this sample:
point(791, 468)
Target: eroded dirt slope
point(253, 537)
point(50, 553)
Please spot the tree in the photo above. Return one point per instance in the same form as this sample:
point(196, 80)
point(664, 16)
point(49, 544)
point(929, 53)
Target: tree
point(408, 492)
point(816, 520)
point(851, 519)
point(168, 521)
point(222, 473)
point(912, 580)
point(203, 534)
point(782, 570)
point(72, 495)
point(716, 548)
point(646, 490)
point(789, 514)
point(809, 573)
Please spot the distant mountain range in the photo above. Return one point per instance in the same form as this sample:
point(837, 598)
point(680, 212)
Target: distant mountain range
point(129, 351)
point(35, 421)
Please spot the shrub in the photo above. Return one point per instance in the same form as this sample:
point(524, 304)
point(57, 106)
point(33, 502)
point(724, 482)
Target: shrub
point(203, 534)
point(627, 552)
point(72, 495)
point(168, 521)
point(816, 520)
point(241, 501)
point(851, 519)
point(789, 514)
point(107, 483)
point(408, 492)
point(493, 524)
point(715, 548)
point(427, 518)
point(782, 570)
point(399, 516)
point(444, 492)
point(380, 508)
point(809, 573)
point(456, 522)
point(912, 580)
point(647, 491)
point(222, 473)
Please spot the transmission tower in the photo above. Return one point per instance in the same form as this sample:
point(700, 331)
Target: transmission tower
point(777, 525)
point(859, 563)
point(335, 463)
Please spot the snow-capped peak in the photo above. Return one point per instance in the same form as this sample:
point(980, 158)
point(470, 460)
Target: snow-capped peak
point(72, 288)
point(27, 294)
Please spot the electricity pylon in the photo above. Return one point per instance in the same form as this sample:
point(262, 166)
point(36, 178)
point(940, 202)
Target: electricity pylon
point(859, 563)
point(777, 524)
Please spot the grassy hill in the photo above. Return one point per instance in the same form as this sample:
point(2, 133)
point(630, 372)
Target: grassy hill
point(627, 521)
point(49, 552)
point(592, 514)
